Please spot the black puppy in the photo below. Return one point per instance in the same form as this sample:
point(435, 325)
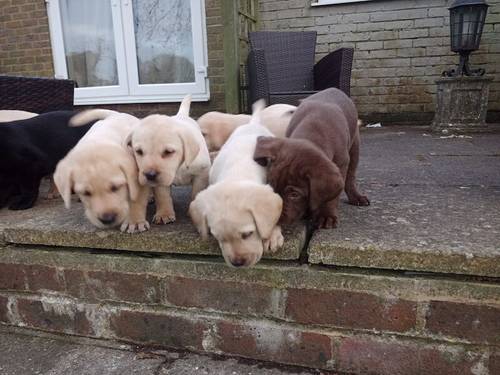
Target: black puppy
point(29, 150)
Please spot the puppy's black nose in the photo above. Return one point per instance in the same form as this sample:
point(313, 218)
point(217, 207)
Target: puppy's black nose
point(108, 218)
point(151, 175)
point(238, 262)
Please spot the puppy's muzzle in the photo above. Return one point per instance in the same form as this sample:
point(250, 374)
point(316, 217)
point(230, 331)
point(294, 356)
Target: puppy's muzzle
point(151, 175)
point(108, 218)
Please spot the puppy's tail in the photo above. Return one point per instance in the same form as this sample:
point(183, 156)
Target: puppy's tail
point(185, 106)
point(90, 115)
point(257, 108)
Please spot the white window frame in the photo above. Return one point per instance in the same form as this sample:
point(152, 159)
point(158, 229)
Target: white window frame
point(330, 2)
point(129, 90)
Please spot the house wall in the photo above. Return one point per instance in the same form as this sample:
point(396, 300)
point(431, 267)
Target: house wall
point(401, 48)
point(25, 50)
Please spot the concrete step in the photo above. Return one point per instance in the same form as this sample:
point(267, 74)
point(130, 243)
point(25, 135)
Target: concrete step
point(435, 203)
point(435, 208)
point(50, 224)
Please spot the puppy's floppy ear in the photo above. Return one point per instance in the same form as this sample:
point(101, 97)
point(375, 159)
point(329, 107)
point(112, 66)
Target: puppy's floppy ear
point(266, 208)
point(190, 146)
point(325, 183)
point(198, 214)
point(129, 169)
point(63, 178)
point(266, 150)
point(127, 144)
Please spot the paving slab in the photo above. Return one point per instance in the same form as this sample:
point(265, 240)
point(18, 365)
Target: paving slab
point(49, 223)
point(29, 355)
point(435, 206)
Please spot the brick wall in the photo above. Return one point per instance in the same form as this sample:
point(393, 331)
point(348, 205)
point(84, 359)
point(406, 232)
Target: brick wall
point(401, 47)
point(24, 39)
point(352, 322)
point(25, 50)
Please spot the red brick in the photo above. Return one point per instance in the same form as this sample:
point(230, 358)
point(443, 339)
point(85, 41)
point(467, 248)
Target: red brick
point(159, 329)
point(494, 363)
point(97, 285)
point(231, 297)
point(12, 277)
point(43, 278)
point(274, 343)
point(475, 323)
point(363, 355)
point(350, 309)
point(3, 309)
point(54, 317)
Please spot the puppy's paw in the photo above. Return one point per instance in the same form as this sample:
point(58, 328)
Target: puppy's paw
point(326, 222)
point(166, 218)
point(275, 242)
point(51, 195)
point(22, 203)
point(359, 200)
point(128, 227)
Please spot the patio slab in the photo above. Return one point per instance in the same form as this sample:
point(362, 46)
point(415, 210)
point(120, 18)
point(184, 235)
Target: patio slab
point(49, 223)
point(435, 206)
point(24, 354)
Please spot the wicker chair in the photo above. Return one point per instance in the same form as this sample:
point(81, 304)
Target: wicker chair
point(37, 95)
point(281, 67)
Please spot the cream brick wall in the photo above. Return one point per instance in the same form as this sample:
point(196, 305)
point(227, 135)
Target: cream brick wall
point(401, 48)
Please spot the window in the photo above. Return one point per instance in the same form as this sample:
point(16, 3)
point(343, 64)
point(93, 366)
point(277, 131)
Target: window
point(130, 51)
point(329, 2)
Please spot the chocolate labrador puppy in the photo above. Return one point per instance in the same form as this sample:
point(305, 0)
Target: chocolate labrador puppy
point(318, 160)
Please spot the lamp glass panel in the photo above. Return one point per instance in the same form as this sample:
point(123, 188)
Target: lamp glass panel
point(466, 26)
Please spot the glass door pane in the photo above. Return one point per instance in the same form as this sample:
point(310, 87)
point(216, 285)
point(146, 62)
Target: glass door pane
point(164, 41)
point(89, 42)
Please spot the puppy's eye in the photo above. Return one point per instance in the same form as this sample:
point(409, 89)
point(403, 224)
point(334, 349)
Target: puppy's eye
point(139, 152)
point(166, 153)
point(294, 195)
point(87, 193)
point(245, 235)
point(114, 188)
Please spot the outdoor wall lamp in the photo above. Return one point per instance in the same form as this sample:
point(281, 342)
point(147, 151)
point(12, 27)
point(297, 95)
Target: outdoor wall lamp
point(466, 26)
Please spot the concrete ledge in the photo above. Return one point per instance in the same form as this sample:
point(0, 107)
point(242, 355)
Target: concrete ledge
point(443, 230)
point(435, 204)
point(50, 224)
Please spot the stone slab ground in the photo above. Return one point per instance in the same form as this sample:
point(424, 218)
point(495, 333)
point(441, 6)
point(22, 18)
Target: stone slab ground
point(409, 285)
point(24, 354)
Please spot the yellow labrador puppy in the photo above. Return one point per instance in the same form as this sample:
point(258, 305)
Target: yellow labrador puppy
point(217, 126)
point(170, 150)
point(238, 208)
point(103, 173)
